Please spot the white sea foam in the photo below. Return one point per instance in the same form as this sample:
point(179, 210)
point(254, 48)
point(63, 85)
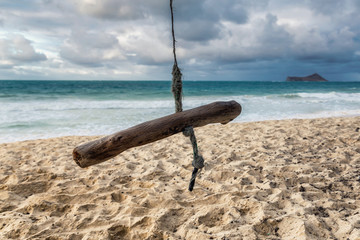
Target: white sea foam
point(21, 120)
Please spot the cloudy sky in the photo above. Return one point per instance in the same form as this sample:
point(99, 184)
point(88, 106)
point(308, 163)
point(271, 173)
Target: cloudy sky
point(216, 40)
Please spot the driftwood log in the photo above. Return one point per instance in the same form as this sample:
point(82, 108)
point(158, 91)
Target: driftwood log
point(100, 150)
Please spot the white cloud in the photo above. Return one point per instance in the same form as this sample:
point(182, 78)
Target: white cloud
point(92, 49)
point(17, 50)
point(121, 9)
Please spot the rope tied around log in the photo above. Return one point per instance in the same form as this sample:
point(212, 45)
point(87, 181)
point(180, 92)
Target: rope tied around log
point(198, 161)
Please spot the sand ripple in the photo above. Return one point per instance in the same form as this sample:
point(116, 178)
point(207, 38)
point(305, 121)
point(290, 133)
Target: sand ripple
point(292, 179)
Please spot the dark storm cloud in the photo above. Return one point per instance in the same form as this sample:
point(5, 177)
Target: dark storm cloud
point(201, 21)
point(267, 41)
point(201, 30)
point(196, 20)
point(235, 13)
point(131, 39)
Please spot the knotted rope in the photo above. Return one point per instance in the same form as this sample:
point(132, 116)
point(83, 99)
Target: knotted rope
point(198, 161)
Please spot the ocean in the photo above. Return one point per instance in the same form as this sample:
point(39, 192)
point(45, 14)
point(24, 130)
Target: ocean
point(43, 109)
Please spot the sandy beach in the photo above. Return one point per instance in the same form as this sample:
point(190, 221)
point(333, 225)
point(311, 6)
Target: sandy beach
point(288, 179)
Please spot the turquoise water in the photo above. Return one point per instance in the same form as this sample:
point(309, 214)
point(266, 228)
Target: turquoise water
point(42, 109)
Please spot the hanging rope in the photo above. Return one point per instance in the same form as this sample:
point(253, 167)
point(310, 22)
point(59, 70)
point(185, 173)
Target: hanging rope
point(176, 73)
point(198, 161)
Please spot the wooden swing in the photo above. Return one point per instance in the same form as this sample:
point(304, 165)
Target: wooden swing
point(102, 149)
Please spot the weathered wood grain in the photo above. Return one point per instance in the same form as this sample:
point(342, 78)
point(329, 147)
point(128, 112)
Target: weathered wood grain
point(100, 150)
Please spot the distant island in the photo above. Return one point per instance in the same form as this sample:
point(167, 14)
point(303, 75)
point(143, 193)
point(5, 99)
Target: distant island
point(311, 78)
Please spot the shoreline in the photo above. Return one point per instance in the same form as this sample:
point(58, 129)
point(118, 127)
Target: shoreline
point(288, 179)
point(232, 122)
point(40, 110)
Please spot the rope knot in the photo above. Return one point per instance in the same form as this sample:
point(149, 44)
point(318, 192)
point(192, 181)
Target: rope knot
point(187, 131)
point(198, 162)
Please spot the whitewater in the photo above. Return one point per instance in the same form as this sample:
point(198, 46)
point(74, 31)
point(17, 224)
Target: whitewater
point(43, 109)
